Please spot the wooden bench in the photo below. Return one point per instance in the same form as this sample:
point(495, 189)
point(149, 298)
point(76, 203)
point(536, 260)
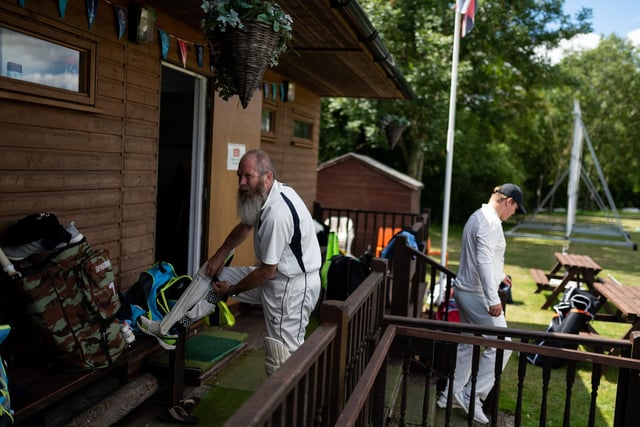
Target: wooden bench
point(39, 387)
point(541, 279)
point(626, 300)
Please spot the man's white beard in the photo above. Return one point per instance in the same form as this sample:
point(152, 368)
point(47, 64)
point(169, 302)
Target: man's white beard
point(249, 208)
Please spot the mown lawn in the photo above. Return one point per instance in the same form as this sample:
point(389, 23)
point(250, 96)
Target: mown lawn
point(523, 253)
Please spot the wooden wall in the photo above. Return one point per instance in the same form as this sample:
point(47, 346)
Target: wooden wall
point(363, 187)
point(97, 165)
point(296, 165)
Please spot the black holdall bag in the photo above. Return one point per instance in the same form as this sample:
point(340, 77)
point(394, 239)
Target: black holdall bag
point(344, 275)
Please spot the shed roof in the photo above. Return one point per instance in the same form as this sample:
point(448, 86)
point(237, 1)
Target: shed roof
point(376, 165)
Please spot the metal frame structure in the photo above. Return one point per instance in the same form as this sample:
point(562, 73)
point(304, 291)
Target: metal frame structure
point(571, 230)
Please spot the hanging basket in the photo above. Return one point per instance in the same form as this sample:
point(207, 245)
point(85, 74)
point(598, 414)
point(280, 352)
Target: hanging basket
point(245, 54)
point(393, 133)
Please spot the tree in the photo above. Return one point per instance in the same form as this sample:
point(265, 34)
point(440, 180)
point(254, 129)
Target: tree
point(501, 81)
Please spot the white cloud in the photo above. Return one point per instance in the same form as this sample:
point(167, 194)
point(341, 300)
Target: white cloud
point(578, 43)
point(634, 36)
point(582, 42)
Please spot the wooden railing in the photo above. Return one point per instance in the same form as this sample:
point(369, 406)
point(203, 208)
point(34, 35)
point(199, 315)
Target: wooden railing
point(367, 231)
point(432, 341)
point(314, 384)
point(339, 375)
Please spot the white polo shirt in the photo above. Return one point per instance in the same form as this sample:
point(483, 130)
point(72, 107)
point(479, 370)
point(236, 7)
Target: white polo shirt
point(285, 234)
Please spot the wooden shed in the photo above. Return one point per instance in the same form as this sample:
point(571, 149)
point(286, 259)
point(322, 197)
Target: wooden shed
point(357, 182)
point(138, 150)
point(360, 182)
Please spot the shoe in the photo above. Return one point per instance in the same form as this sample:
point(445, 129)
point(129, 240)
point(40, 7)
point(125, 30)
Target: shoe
point(20, 252)
point(152, 328)
point(478, 414)
point(442, 402)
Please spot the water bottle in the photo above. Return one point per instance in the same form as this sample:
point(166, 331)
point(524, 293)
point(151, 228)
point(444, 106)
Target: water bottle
point(127, 333)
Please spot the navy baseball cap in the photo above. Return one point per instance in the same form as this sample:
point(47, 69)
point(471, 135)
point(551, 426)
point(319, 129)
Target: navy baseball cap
point(513, 191)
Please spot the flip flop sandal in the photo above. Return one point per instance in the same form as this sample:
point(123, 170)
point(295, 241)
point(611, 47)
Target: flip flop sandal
point(177, 414)
point(189, 404)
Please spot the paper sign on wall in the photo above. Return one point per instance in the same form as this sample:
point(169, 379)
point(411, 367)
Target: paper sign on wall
point(234, 153)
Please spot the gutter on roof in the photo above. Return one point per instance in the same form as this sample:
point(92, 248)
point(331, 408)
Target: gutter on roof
point(368, 35)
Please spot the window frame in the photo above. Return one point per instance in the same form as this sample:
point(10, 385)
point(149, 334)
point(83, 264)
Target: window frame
point(43, 29)
point(303, 118)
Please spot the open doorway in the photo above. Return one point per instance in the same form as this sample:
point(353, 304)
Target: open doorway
point(179, 217)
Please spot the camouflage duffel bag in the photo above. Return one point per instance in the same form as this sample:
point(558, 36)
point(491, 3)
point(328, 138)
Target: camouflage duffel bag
point(72, 299)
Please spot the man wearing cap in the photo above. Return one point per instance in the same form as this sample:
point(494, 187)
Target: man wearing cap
point(476, 292)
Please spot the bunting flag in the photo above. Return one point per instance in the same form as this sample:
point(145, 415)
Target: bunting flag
point(121, 17)
point(164, 41)
point(62, 7)
point(92, 10)
point(182, 45)
point(200, 55)
point(468, 10)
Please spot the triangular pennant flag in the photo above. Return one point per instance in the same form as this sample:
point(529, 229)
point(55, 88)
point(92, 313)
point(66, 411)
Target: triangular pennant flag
point(212, 57)
point(121, 17)
point(182, 45)
point(164, 42)
point(200, 54)
point(62, 6)
point(92, 10)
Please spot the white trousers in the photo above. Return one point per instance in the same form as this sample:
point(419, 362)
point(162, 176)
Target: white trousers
point(473, 309)
point(287, 302)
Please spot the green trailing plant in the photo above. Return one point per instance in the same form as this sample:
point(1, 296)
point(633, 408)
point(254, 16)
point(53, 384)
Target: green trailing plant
point(224, 16)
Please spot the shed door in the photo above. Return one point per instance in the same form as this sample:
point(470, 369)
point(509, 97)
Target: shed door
point(181, 168)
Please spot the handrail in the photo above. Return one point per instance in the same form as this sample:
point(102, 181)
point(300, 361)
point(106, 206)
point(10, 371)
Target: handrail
point(313, 385)
point(421, 335)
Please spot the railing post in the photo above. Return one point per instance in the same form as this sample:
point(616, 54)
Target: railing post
point(632, 395)
point(336, 312)
point(401, 275)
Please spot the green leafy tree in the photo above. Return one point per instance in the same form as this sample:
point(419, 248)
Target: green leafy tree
point(501, 85)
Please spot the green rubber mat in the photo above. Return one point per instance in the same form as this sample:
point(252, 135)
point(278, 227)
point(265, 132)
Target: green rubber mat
point(203, 348)
point(207, 348)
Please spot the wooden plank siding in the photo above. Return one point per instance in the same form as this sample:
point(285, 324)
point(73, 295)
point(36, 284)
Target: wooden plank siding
point(295, 165)
point(97, 164)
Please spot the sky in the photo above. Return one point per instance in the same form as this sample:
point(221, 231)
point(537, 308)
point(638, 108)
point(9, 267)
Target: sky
point(621, 17)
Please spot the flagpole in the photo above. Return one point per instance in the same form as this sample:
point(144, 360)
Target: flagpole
point(450, 131)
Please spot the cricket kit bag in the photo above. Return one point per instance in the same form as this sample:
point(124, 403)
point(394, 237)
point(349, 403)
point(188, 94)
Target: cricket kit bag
point(157, 291)
point(572, 315)
point(344, 275)
point(6, 414)
point(72, 299)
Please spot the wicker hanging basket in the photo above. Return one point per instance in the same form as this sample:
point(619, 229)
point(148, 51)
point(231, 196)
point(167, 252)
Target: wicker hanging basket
point(245, 54)
point(393, 133)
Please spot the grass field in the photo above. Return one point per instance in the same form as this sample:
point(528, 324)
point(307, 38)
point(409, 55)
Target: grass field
point(523, 253)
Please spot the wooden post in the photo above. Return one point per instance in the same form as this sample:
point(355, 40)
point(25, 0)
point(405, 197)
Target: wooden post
point(336, 312)
point(632, 396)
point(400, 282)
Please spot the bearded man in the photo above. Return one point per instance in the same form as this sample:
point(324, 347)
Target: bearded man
point(286, 279)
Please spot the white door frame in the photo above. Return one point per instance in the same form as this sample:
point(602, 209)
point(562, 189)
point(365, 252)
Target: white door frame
point(198, 168)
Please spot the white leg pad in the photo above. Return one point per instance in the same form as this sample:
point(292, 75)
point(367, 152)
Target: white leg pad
point(275, 354)
point(193, 295)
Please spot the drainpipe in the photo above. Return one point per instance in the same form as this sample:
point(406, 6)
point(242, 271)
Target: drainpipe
point(368, 35)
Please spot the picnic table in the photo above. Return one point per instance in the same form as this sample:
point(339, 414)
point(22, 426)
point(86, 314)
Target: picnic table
point(568, 268)
point(626, 300)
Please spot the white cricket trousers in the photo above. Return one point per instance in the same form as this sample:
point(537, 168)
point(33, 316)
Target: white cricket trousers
point(287, 302)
